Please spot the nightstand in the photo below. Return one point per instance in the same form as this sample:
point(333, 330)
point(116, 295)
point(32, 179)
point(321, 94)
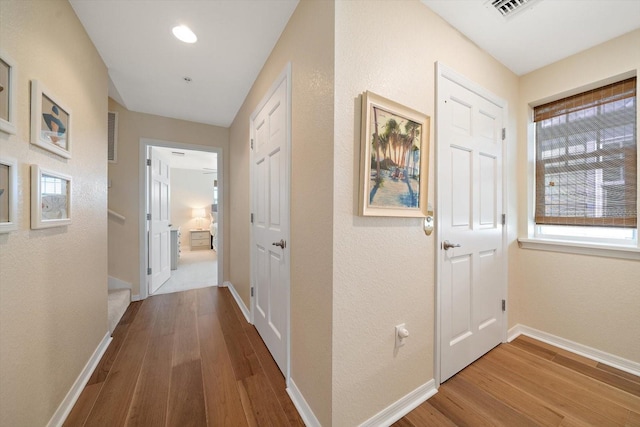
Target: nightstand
point(200, 239)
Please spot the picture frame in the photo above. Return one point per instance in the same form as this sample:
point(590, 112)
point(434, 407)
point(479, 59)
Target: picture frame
point(394, 159)
point(50, 198)
point(8, 194)
point(50, 121)
point(8, 86)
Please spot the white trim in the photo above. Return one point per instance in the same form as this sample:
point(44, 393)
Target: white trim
point(442, 72)
point(236, 296)
point(145, 143)
point(402, 406)
point(61, 414)
point(307, 415)
point(577, 348)
point(581, 248)
point(135, 297)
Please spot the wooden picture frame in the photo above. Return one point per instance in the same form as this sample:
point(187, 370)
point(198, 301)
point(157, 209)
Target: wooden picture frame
point(50, 121)
point(8, 79)
point(8, 194)
point(50, 198)
point(394, 159)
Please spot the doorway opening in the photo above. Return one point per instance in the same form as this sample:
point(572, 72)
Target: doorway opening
point(189, 214)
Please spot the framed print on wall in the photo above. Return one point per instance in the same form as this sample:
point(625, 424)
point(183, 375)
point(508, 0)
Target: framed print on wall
point(394, 159)
point(50, 121)
point(50, 198)
point(8, 194)
point(8, 77)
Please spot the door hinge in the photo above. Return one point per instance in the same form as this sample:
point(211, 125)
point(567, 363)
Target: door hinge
point(148, 217)
point(252, 291)
point(251, 218)
point(149, 271)
point(504, 134)
point(252, 143)
point(504, 219)
point(504, 305)
point(148, 162)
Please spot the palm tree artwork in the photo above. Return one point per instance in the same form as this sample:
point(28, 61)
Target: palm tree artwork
point(395, 160)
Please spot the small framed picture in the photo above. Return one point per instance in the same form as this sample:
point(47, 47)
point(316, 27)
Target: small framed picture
point(8, 194)
point(50, 121)
point(8, 77)
point(50, 198)
point(394, 159)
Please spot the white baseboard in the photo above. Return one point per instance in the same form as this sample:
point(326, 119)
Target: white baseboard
point(115, 283)
point(577, 348)
point(307, 415)
point(236, 296)
point(402, 406)
point(135, 297)
point(70, 399)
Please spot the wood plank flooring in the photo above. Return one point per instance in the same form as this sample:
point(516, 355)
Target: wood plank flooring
point(530, 383)
point(191, 359)
point(185, 359)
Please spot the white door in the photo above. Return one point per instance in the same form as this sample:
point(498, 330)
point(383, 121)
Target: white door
point(470, 186)
point(270, 231)
point(159, 224)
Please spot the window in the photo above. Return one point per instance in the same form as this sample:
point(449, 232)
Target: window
point(586, 165)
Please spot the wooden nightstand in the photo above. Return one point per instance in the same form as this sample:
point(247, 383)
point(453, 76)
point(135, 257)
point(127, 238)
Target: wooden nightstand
point(200, 239)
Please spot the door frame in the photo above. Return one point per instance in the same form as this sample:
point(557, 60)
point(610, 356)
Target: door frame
point(143, 191)
point(444, 72)
point(285, 75)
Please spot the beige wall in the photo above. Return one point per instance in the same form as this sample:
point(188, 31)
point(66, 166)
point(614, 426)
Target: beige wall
point(53, 282)
point(124, 194)
point(307, 42)
point(591, 300)
point(384, 267)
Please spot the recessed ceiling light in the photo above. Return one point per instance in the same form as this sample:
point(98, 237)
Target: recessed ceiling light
point(184, 33)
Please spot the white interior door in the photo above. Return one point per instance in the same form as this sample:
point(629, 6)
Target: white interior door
point(470, 193)
point(159, 224)
point(270, 231)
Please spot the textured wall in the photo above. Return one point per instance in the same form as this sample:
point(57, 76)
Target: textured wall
point(594, 301)
point(307, 42)
point(124, 197)
point(384, 267)
point(53, 282)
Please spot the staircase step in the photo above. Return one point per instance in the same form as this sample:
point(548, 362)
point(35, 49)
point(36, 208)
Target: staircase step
point(119, 300)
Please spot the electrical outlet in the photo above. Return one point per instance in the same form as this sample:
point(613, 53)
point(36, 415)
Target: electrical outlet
point(401, 334)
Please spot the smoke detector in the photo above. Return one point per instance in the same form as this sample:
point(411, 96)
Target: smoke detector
point(509, 8)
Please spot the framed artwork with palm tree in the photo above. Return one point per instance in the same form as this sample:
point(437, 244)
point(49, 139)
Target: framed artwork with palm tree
point(394, 159)
point(50, 121)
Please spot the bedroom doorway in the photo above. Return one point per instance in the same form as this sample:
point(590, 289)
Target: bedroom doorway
point(195, 220)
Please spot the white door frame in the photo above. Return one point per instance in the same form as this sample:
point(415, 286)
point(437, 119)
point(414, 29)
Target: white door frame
point(143, 190)
point(444, 72)
point(284, 75)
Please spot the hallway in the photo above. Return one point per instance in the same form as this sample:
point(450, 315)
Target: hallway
point(185, 359)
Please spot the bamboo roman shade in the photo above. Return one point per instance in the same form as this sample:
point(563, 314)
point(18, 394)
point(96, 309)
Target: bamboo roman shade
point(586, 158)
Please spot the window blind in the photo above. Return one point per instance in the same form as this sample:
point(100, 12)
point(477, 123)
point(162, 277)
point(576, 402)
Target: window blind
point(586, 158)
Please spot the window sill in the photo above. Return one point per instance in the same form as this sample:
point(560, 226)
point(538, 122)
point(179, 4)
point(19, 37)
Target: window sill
point(580, 248)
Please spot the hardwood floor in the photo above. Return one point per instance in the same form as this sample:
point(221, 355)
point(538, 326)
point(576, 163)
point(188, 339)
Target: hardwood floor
point(185, 359)
point(530, 383)
point(191, 359)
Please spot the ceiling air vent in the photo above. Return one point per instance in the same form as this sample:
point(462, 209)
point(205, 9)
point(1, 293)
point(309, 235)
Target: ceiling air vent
point(508, 8)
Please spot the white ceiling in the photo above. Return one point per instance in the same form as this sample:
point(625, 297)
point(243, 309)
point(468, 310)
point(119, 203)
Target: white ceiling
point(543, 33)
point(193, 160)
point(147, 64)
